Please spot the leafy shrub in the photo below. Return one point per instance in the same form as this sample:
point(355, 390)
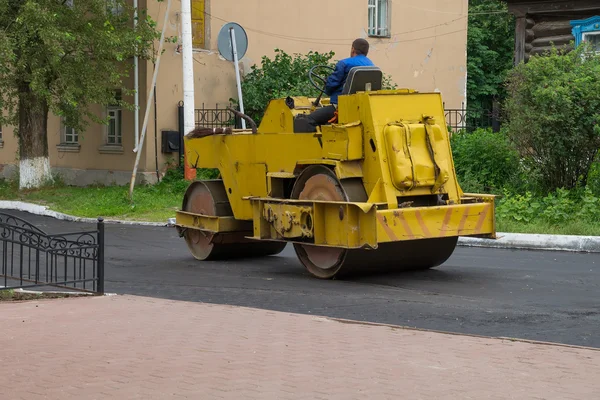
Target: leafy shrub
point(553, 110)
point(519, 207)
point(484, 161)
point(285, 75)
point(593, 181)
point(589, 206)
point(556, 208)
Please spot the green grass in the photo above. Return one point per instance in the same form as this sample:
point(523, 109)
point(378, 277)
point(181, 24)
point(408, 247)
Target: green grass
point(153, 203)
point(574, 227)
point(11, 295)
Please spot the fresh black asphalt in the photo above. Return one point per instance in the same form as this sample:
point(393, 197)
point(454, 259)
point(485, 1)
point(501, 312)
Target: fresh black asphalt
point(539, 295)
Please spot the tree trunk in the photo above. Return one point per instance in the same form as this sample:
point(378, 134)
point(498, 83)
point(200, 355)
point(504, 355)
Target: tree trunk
point(34, 168)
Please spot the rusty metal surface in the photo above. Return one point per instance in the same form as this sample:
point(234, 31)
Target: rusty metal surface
point(210, 198)
point(319, 183)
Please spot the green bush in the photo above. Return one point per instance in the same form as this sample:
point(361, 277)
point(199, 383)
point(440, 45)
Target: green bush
point(518, 207)
point(285, 75)
point(552, 111)
point(593, 180)
point(558, 207)
point(485, 161)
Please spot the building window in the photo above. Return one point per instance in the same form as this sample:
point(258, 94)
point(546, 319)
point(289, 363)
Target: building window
point(593, 38)
point(70, 135)
point(113, 134)
point(198, 26)
point(587, 30)
point(379, 18)
point(1, 141)
point(69, 138)
point(114, 7)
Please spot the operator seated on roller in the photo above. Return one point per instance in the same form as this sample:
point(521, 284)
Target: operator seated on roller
point(335, 81)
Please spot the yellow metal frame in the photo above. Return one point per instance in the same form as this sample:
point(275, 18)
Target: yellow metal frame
point(433, 222)
point(350, 225)
point(394, 141)
point(358, 225)
point(356, 146)
point(335, 224)
point(210, 223)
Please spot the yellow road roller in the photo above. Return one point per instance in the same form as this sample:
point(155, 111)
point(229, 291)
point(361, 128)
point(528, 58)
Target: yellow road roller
point(375, 188)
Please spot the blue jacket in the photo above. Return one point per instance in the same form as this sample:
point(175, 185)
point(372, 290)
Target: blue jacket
point(335, 81)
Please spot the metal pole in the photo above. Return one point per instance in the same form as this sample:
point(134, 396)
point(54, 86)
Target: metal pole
point(237, 74)
point(100, 285)
point(150, 96)
point(188, 66)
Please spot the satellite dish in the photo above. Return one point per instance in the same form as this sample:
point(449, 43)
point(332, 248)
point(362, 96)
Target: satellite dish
point(224, 41)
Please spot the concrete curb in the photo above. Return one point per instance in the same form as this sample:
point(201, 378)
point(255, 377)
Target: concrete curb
point(586, 244)
point(46, 212)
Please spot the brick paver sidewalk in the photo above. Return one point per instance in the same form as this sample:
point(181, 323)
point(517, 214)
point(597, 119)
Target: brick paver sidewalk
point(125, 347)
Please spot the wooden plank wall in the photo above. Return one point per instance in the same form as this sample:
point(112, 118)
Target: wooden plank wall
point(541, 33)
point(540, 23)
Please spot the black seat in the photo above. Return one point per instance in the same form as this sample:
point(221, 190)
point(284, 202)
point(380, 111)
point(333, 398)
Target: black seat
point(362, 79)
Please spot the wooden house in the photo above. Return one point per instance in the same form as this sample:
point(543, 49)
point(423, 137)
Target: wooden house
point(541, 23)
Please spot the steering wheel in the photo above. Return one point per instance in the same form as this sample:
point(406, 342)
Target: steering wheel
point(312, 74)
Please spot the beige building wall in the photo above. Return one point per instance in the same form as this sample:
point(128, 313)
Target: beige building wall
point(91, 161)
point(426, 50)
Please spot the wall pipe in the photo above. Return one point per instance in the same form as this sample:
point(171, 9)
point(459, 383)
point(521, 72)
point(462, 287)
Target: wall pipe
point(136, 85)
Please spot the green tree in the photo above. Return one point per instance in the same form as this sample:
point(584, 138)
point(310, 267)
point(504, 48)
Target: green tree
point(61, 57)
point(553, 112)
point(284, 75)
point(490, 49)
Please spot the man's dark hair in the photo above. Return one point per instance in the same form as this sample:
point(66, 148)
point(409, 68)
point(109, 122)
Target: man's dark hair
point(361, 46)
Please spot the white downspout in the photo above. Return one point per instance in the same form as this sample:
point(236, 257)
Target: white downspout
point(136, 86)
point(188, 67)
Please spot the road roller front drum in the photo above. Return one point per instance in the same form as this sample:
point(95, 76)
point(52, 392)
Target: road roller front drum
point(320, 183)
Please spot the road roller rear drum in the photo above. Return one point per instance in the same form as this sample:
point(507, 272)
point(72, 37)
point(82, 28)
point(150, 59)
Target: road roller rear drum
point(209, 198)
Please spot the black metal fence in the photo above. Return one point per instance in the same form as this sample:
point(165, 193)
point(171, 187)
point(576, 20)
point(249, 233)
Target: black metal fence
point(217, 117)
point(469, 119)
point(29, 257)
point(456, 118)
